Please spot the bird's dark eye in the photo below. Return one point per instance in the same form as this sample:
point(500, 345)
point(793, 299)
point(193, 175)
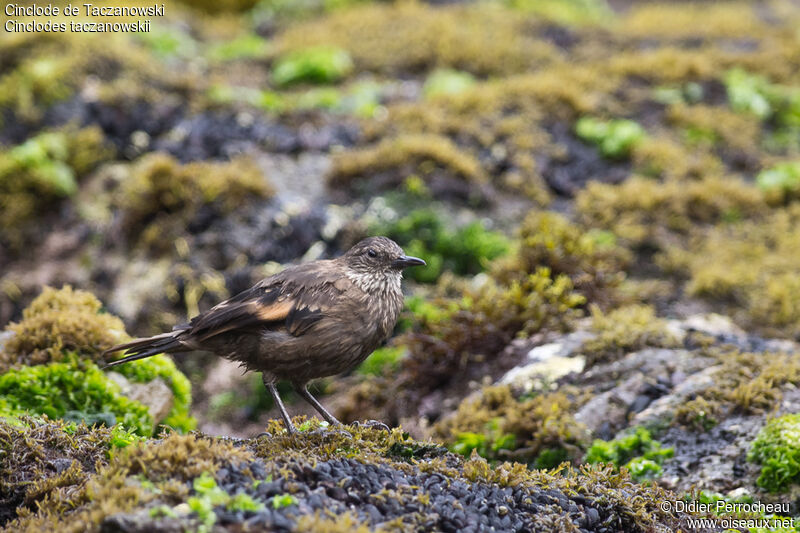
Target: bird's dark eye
point(372, 253)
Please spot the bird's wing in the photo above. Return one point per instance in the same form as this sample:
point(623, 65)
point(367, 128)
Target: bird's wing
point(294, 299)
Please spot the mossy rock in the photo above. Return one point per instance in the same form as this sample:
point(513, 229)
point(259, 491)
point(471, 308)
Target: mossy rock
point(646, 214)
point(447, 170)
point(499, 425)
point(748, 267)
point(161, 195)
point(42, 458)
point(332, 481)
point(57, 322)
point(592, 260)
point(37, 174)
point(624, 330)
point(743, 383)
point(50, 366)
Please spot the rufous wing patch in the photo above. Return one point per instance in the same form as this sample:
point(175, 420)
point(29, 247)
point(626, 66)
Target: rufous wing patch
point(274, 311)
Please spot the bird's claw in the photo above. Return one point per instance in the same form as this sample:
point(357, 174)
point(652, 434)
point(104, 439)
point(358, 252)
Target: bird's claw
point(372, 424)
point(264, 434)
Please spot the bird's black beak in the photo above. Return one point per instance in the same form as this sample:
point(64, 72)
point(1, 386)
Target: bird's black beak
point(407, 261)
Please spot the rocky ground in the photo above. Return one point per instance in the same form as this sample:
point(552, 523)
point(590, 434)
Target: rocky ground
point(605, 195)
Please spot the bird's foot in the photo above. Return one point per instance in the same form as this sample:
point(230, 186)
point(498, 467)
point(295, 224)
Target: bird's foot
point(264, 434)
point(372, 424)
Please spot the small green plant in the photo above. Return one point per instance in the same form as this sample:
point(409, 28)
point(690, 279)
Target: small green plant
point(382, 361)
point(636, 451)
point(780, 182)
point(243, 502)
point(447, 82)
point(208, 496)
point(122, 437)
point(748, 93)
point(688, 93)
point(615, 138)
point(283, 500)
point(487, 444)
point(751, 93)
point(312, 65)
point(465, 251)
point(247, 46)
point(777, 450)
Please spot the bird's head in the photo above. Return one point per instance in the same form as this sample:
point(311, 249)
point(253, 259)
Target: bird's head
point(377, 263)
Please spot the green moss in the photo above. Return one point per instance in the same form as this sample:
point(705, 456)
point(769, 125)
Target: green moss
point(75, 390)
point(744, 383)
point(314, 65)
point(411, 37)
point(615, 138)
point(245, 46)
point(648, 214)
point(446, 82)
point(497, 425)
point(539, 301)
point(423, 233)
point(624, 330)
point(752, 93)
point(777, 450)
point(570, 12)
point(49, 366)
point(748, 267)
point(382, 361)
point(209, 495)
point(58, 322)
point(28, 448)
point(421, 155)
point(748, 93)
point(38, 77)
point(162, 367)
point(283, 500)
point(591, 259)
point(161, 196)
point(781, 182)
point(636, 451)
point(44, 170)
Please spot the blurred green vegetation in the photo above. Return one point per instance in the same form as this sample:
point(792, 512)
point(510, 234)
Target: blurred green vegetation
point(615, 138)
point(312, 65)
point(777, 450)
point(423, 233)
point(45, 169)
point(636, 451)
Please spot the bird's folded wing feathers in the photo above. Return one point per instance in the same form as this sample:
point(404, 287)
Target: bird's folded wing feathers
point(294, 306)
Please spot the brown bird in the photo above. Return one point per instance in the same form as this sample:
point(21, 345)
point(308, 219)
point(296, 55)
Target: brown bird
point(306, 322)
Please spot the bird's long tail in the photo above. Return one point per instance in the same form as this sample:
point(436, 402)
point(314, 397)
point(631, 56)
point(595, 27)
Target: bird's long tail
point(147, 347)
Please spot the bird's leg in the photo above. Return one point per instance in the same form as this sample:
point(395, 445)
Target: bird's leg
point(275, 396)
point(302, 390)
